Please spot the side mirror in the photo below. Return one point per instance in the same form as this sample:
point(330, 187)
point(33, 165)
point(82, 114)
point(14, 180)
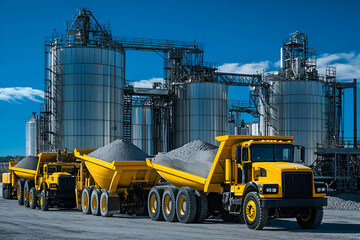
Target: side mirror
point(302, 154)
point(238, 154)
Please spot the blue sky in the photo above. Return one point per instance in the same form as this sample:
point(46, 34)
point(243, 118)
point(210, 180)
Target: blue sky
point(241, 36)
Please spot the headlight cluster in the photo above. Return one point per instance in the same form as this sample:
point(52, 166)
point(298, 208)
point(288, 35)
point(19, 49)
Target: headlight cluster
point(320, 188)
point(270, 189)
point(53, 186)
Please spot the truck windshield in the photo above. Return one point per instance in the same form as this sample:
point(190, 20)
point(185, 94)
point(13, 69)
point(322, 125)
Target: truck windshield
point(272, 152)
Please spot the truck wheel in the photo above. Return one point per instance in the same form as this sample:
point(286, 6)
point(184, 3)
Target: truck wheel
point(169, 204)
point(95, 202)
point(27, 187)
point(255, 216)
point(4, 193)
point(44, 205)
point(85, 201)
point(104, 205)
point(312, 220)
point(202, 206)
point(20, 192)
point(186, 205)
point(32, 198)
point(154, 204)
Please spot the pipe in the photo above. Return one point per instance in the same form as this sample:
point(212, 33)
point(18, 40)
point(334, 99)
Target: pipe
point(355, 113)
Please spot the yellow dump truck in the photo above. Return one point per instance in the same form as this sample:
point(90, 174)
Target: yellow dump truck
point(252, 177)
point(104, 188)
point(51, 184)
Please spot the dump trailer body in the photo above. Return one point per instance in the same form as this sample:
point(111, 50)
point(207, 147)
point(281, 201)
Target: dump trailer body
point(119, 186)
point(118, 175)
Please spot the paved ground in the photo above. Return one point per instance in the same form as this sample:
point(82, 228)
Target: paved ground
point(18, 222)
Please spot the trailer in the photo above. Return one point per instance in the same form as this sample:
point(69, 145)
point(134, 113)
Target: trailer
point(252, 178)
point(104, 188)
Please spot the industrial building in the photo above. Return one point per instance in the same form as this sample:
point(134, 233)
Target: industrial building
point(89, 102)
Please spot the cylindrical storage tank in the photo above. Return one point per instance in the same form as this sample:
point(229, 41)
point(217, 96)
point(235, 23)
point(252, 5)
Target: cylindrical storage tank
point(31, 137)
point(142, 128)
point(201, 112)
point(87, 84)
point(300, 109)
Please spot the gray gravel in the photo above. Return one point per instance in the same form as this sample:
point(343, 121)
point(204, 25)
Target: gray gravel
point(345, 201)
point(29, 162)
point(195, 157)
point(119, 151)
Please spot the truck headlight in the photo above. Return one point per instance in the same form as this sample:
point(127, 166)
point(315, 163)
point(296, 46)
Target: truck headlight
point(320, 187)
point(270, 188)
point(53, 186)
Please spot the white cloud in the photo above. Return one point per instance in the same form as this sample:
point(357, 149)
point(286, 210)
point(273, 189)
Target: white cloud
point(147, 83)
point(14, 94)
point(347, 64)
point(248, 68)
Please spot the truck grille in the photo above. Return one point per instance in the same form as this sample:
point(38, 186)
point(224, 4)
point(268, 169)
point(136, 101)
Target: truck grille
point(66, 184)
point(297, 184)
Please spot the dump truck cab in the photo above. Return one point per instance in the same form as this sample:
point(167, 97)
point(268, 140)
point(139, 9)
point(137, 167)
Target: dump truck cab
point(57, 180)
point(265, 178)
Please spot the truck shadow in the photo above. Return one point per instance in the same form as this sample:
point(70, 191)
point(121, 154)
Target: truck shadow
point(291, 226)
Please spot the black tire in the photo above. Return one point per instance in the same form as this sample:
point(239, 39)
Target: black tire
point(28, 185)
point(313, 220)
point(95, 202)
point(44, 204)
point(32, 198)
point(255, 216)
point(154, 204)
point(202, 207)
point(20, 192)
point(7, 191)
point(168, 204)
point(85, 201)
point(186, 205)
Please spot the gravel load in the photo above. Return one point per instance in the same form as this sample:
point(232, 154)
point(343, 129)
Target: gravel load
point(344, 201)
point(28, 162)
point(119, 151)
point(195, 157)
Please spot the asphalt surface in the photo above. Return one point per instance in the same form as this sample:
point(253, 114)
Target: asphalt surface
point(18, 222)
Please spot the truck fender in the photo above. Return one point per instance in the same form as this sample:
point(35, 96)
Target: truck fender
point(250, 187)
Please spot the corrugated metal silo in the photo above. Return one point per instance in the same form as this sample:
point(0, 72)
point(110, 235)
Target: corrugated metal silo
point(90, 90)
point(300, 107)
point(142, 128)
point(201, 112)
point(32, 136)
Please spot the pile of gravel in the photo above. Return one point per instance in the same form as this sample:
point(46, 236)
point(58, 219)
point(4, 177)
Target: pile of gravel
point(195, 157)
point(119, 151)
point(28, 162)
point(344, 201)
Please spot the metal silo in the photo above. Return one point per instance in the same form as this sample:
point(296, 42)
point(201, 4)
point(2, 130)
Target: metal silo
point(142, 128)
point(86, 86)
point(201, 112)
point(300, 107)
point(32, 136)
